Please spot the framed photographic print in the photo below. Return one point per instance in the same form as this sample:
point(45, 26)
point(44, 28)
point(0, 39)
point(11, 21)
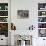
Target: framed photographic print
point(22, 14)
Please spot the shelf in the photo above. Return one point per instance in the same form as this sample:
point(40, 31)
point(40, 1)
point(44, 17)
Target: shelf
point(3, 16)
point(41, 28)
point(41, 22)
point(42, 16)
point(3, 22)
point(41, 10)
point(3, 10)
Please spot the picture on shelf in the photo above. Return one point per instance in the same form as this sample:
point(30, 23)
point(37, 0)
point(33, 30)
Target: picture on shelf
point(42, 33)
point(21, 14)
point(4, 29)
point(41, 6)
point(3, 13)
point(3, 19)
point(41, 25)
point(41, 19)
point(6, 7)
point(41, 13)
point(3, 6)
point(13, 27)
point(3, 26)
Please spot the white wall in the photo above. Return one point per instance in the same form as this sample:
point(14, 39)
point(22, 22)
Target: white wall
point(23, 24)
point(32, 6)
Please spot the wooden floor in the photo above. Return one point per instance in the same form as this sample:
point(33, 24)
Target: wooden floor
point(3, 45)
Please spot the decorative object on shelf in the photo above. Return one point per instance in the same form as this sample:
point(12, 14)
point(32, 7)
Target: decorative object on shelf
point(42, 32)
point(3, 19)
point(0, 7)
point(31, 27)
point(6, 7)
point(43, 13)
point(24, 37)
point(45, 7)
point(43, 39)
point(4, 26)
point(21, 14)
point(41, 8)
point(3, 13)
point(3, 6)
point(39, 19)
point(13, 27)
point(4, 29)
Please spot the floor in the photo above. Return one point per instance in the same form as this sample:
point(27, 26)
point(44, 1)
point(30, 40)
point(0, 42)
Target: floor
point(3, 45)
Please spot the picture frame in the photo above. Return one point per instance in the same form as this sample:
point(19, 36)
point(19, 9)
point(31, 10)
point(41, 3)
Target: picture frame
point(22, 14)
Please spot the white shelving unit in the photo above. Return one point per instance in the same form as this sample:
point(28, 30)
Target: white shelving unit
point(42, 18)
point(4, 23)
point(4, 18)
